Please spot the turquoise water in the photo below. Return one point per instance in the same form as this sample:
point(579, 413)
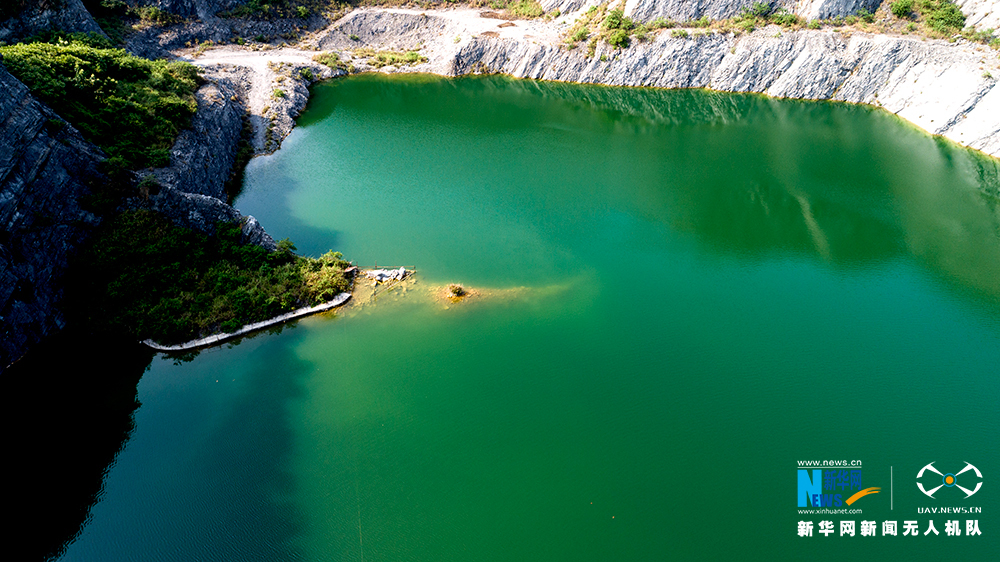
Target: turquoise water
point(683, 294)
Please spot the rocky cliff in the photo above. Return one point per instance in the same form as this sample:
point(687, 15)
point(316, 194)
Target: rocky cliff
point(46, 169)
point(203, 155)
point(43, 15)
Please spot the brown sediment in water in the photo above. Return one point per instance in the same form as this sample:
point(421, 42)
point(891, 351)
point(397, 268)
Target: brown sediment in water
point(445, 295)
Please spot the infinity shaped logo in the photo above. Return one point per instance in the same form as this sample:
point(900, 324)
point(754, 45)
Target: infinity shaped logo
point(949, 480)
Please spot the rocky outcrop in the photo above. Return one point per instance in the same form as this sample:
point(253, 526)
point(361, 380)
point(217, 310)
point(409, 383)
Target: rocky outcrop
point(389, 29)
point(201, 9)
point(38, 16)
point(158, 42)
point(823, 9)
point(46, 169)
point(567, 6)
point(201, 213)
point(275, 85)
point(684, 10)
point(203, 155)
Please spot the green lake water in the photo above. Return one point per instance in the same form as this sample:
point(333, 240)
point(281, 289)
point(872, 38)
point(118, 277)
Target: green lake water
point(684, 294)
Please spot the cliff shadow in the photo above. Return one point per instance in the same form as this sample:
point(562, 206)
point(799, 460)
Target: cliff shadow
point(67, 410)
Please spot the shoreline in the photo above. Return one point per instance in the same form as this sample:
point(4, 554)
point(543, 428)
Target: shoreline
point(945, 89)
point(219, 338)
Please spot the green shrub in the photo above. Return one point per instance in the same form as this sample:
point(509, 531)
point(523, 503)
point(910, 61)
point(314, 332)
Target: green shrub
point(757, 10)
point(660, 23)
point(618, 38)
point(526, 8)
point(149, 185)
point(616, 20)
point(143, 277)
point(330, 59)
point(985, 36)
point(866, 16)
point(814, 24)
point(278, 93)
point(942, 16)
point(679, 33)
point(131, 107)
point(90, 39)
point(152, 15)
point(580, 35)
point(902, 8)
point(269, 9)
point(703, 21)
point(784, 18)
point(305, 74)
point(385, 58)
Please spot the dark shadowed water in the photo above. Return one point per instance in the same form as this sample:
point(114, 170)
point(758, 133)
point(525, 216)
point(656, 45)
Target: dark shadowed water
point(684, 295)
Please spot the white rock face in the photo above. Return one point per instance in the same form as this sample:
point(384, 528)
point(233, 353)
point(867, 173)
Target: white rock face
point(567, 6)
point(945, 88)
point(684, 10)
point(983, 14)
point(822, 9)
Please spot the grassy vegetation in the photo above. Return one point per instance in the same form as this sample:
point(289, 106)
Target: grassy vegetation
point(117, 18)
point(942, 16)
point(901, 8)
point(143, 277)
point(378, 59)
point(273, 9)
point(152, 15)
point(760, 14)
point(131, 107)
point(330, 59)
point(932, 18)
point(526, 9)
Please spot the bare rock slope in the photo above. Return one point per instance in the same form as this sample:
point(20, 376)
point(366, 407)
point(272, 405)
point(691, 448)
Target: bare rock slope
point(46, 168)
point(35, 17)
